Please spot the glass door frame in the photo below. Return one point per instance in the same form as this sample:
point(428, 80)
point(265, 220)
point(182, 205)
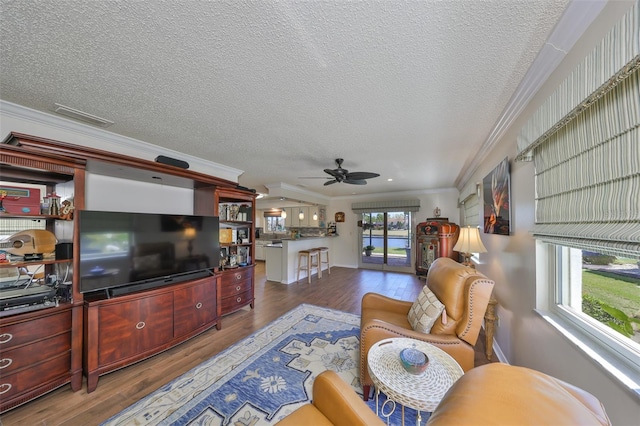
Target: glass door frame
point(384, 260)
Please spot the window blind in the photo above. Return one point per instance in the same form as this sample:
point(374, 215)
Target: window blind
point(387, 206)
point(587, 164)
point(470, 203)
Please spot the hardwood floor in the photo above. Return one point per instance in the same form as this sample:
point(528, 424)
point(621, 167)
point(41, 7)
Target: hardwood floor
point(342, 290)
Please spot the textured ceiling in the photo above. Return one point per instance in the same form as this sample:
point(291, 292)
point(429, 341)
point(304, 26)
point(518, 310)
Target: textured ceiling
point(408, 89)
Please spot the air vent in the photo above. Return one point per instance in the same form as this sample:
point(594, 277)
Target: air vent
point(82, 116)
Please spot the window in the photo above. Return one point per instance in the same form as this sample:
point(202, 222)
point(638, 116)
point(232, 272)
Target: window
point(601, 292)
point(585, 142)
point(274, 224)
point(606, 289)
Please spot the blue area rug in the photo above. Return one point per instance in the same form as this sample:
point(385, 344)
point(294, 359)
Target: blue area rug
point(262, 378)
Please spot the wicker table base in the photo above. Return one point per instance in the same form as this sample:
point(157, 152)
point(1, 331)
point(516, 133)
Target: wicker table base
point(421, 392)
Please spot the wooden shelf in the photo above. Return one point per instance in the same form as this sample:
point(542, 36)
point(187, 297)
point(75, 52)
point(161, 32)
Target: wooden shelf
point(34, 263)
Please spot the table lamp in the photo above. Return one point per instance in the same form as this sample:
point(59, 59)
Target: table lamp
point(469, 242)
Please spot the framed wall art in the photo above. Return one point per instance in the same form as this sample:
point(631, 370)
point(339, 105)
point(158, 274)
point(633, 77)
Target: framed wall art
point(497, 200)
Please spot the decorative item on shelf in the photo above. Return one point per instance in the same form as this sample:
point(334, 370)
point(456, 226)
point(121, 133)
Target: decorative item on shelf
point(414, 361)
point(54, 204)
point(469, 242)
point(19, 200)
point(226, 236)
point(437, 212)
point(244, 213)
point(3, 195)
point(222, 211)
point(66, 210)
point(339, 216)
point(234, 209)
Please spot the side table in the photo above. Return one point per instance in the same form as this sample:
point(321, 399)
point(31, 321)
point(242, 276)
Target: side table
point(489, 327)
point(421, 392)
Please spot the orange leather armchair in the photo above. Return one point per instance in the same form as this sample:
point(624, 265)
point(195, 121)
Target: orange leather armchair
point(465, 294)
point(503, 394)
point(334, 403)
point(492, 394)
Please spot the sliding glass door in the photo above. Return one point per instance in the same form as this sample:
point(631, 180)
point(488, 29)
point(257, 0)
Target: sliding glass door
point(386, 241)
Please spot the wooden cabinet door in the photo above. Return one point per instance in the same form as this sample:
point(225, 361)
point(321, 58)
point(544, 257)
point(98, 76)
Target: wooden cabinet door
point(194, 306)
point(135, 326)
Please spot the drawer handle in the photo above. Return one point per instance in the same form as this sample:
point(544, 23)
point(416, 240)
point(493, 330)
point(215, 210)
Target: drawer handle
point(5, 337)
point(5, 362)
point(238, 276)
point(238, 288)
point(5, 387)
point(239, 299)
point(140, 325)
point(198, 305)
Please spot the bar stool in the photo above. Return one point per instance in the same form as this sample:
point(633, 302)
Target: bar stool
point(321, 261)
point(312, 260)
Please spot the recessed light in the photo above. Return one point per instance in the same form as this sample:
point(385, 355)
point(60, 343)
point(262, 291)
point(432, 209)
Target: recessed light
point(389, 180)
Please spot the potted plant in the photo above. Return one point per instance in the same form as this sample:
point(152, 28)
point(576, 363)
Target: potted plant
point(368, 249)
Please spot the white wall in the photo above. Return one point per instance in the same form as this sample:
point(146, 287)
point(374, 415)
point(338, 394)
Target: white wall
point(116, 194)
point(523, 337)
point(345, 250)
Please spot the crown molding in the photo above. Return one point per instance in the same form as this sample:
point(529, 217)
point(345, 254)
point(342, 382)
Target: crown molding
point(573, 23)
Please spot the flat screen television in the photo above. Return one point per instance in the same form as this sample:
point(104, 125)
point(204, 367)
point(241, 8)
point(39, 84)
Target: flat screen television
point(126, 252)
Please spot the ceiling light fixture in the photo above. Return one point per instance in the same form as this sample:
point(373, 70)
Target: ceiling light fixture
point(82, 116)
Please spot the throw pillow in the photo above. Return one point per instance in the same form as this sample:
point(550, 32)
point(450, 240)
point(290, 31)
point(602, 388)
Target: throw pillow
point(425, 311)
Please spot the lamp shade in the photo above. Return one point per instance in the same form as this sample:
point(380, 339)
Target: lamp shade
point(469, 241)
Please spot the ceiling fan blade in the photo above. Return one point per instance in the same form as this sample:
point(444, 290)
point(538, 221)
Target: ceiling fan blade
point(331, 182)
point(355, 181)
point(361, 175)
point(314, 177)
point(335, 173)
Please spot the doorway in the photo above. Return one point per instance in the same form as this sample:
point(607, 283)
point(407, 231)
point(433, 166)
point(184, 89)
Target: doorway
point(386, 241)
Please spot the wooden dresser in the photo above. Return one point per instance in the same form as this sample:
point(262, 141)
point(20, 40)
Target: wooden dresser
point(235, 289)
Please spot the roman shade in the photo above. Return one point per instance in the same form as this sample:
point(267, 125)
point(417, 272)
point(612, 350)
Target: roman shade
point(386, 206)
point(469, 202)
point(273, 213)
point(585, 143)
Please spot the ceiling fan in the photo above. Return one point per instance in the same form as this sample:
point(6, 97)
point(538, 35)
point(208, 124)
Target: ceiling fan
point(343, 175)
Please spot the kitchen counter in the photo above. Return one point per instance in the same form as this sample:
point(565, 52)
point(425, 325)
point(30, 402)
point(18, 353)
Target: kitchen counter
point(273, 262)
point(285, 255)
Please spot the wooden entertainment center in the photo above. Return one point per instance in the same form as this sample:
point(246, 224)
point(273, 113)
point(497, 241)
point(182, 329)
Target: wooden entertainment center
point(43, 349)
